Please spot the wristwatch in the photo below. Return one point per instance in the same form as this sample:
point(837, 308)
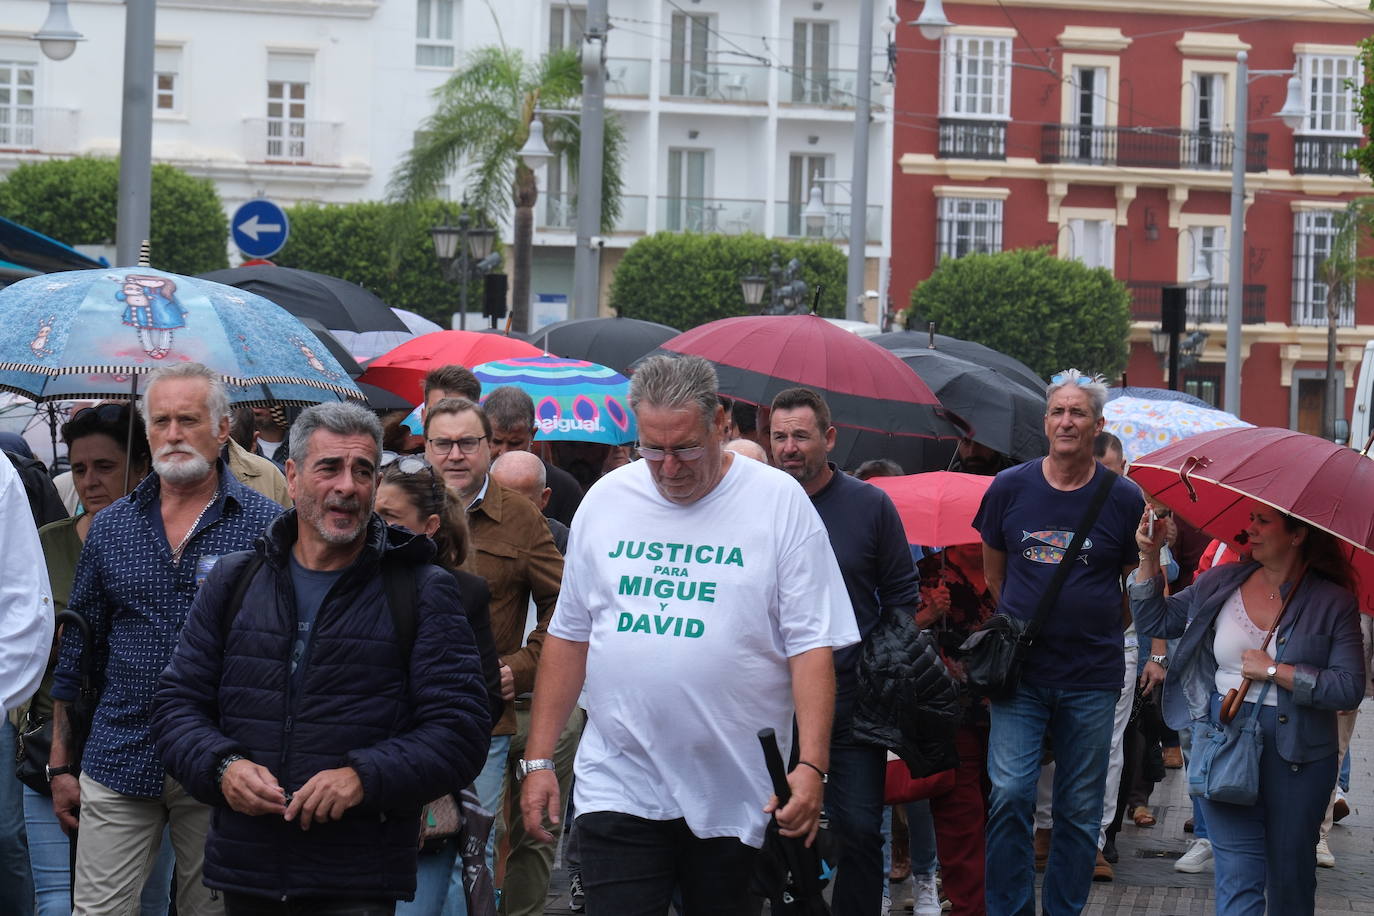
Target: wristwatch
point(526, 767)
point(1271, 672)
point(50, 772)
point(1160, 660)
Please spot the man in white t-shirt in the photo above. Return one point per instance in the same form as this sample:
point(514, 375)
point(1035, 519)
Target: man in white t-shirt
point(701, 602)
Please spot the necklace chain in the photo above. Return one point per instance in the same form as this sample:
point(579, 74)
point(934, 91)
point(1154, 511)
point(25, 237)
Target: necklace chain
point(176, 551)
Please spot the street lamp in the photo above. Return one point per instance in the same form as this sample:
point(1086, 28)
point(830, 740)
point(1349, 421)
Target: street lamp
point(932, 22)
point(536, 153)
point(1292, 114)
point(816, 212)
point(457, 243)
point(57, 37)
point(787, 290)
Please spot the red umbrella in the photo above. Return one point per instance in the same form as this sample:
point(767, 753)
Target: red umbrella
point(1209, 480)
point(937, 508)
point(402, 370)
point(866, 386)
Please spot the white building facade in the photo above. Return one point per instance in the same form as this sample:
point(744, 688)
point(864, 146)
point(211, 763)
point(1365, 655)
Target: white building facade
point(732, 111)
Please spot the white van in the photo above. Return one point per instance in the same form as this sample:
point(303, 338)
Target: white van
point(1364, 400)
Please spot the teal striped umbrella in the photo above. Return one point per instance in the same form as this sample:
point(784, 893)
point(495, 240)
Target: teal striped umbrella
point(574, 400)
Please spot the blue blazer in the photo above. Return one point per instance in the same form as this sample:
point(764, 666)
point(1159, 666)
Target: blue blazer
point(1322, 642)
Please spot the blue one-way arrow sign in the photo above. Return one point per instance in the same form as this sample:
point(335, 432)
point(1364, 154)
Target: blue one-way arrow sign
point(259, 228)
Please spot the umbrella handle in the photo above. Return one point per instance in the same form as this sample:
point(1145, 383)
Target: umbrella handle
point(772, 757)
point(1230, 706)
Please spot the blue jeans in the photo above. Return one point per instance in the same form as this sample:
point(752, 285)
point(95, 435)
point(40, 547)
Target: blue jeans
point(1079, 726)
point(434, 893)
point(631, 867)
point(50, 859)
point(854, 801)
point(1265, 850)
point(16, 882)
point(920, 829)
point(1344, 778)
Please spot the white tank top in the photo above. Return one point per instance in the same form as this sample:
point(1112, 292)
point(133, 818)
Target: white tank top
point(1236, 632)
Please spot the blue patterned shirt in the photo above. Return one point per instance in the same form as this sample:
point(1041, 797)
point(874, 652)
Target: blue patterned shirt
point(136, 601)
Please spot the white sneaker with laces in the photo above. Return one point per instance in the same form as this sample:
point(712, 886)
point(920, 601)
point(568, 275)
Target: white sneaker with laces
point(887, 906)
point(1197, 859)
point(1324, 857)
point(927, 899)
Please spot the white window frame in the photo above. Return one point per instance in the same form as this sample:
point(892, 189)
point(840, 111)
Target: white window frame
point(968, 225)
point(1329, 100)
point(169, 81)
point(432, 48)
point(1313, 232)
point(19, 119)
point(570, 31)
point(288, 131)
point(1082, 227)
point(975, 76)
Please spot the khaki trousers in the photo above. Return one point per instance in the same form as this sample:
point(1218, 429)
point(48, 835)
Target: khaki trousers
point(1345, 728)
point(119, 839)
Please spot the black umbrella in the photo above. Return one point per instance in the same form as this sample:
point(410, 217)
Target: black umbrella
point(1009, 366)
point(614, 342)
point(381, 399)
point(1005, 417)
point(790, 874)
point(334, 303)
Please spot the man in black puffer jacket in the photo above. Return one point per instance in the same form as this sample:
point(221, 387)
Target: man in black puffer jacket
point(301, 715)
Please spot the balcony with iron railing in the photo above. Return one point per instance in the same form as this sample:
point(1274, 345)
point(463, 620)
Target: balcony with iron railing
point(1149, 147)
point(1324, 155)
point(26, 129)
point(274, 141)
point(970, 138)
point(789, 222)
point(714, 81)
point(1204, 306)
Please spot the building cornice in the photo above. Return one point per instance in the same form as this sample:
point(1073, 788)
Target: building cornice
point(343, 9)
point(1090, 38)
point(975, 192)
point(1211, 44)
point(1303, 10)
point(1297, 344)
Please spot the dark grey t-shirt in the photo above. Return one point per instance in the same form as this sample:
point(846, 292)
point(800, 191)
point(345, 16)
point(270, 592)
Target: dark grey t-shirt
point(311, 587)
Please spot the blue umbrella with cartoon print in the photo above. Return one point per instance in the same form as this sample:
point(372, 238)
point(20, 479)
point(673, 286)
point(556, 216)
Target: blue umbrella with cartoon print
point(90, 334)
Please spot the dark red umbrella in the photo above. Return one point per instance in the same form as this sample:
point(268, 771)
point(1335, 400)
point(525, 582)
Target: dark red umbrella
point(402, 370)
point(866, 386)
point(1210, 479)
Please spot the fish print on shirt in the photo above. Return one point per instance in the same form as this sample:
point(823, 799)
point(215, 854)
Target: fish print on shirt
point(1052, 546)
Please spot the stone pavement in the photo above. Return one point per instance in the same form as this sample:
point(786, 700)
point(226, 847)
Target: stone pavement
point(1146, 883)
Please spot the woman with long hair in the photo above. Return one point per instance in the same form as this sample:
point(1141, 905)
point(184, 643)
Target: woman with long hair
point(1314, 666)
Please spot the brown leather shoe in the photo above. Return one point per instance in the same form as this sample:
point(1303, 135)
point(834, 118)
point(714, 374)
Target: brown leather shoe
point(1042, 848)
point(1102, 871)
point(1173, 758)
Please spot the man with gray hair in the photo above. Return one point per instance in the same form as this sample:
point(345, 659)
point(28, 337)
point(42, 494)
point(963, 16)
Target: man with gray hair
point(513, 426)
point(326, 686)
point(692, 627)
point(1073, 672)
point(142, 565)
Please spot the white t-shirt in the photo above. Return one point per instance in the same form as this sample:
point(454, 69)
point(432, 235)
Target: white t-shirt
point(691, 613)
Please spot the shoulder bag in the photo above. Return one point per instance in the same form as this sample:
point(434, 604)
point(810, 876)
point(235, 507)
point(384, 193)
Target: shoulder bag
point(995, 653)
point(35, 740)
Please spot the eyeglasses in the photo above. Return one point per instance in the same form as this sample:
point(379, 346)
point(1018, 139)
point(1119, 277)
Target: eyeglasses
point(691, 453)
point(467, 445)
point(410, 465)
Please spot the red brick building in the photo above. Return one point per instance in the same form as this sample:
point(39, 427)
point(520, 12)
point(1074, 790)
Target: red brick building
point(1103, 130)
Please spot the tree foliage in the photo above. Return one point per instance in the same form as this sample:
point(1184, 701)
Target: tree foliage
point(1364, 105)
point(1049, 313)
point(75, 200)
point(683, 280)
point(343, 240)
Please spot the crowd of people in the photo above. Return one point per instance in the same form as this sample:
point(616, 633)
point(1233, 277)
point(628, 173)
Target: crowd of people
point(314, 662)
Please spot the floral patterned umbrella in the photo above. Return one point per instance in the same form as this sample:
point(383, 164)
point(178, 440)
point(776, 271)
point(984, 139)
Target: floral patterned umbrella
point(91, 333)
point(1146, 425)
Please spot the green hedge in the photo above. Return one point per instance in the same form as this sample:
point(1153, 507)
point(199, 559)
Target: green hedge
point(348, 241)
point(75, 201)
point(687, 279)
point(1049, 313)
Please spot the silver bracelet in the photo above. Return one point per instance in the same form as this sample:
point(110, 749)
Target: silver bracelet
point(224, 766)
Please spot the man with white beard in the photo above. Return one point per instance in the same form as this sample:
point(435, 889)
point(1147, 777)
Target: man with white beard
point(142, 564)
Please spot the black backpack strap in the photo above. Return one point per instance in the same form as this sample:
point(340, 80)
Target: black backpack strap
point(400, 582)
point(245, 578)
point(1061, 572)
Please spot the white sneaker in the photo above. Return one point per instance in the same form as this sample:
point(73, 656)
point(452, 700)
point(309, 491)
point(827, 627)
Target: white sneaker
point(1324, 857)
point(886, 907)
point(1197, 859)
point(927, 899)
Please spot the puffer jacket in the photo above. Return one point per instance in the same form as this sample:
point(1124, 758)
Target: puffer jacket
point(908, 703)
point(411, 733)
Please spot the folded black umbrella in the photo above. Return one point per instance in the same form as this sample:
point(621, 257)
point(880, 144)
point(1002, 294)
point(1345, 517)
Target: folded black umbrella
point(789, 874)
point(1009, 366)
point(333, 302)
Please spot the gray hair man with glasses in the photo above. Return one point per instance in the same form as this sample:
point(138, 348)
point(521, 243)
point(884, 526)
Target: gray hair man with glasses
point(702, 603)
point(1073, 673)
point(513, 550)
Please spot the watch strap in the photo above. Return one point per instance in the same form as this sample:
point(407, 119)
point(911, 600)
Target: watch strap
point(527, 767)
point(66, 770)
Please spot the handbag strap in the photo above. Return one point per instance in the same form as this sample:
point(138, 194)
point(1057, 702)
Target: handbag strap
point(1273, 628)
point(1061, 571)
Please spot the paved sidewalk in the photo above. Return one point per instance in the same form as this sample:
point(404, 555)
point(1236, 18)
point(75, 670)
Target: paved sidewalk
point(1147, 885)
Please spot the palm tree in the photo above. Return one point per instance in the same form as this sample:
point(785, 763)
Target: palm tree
point(1339, 271)
point(481, 120)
